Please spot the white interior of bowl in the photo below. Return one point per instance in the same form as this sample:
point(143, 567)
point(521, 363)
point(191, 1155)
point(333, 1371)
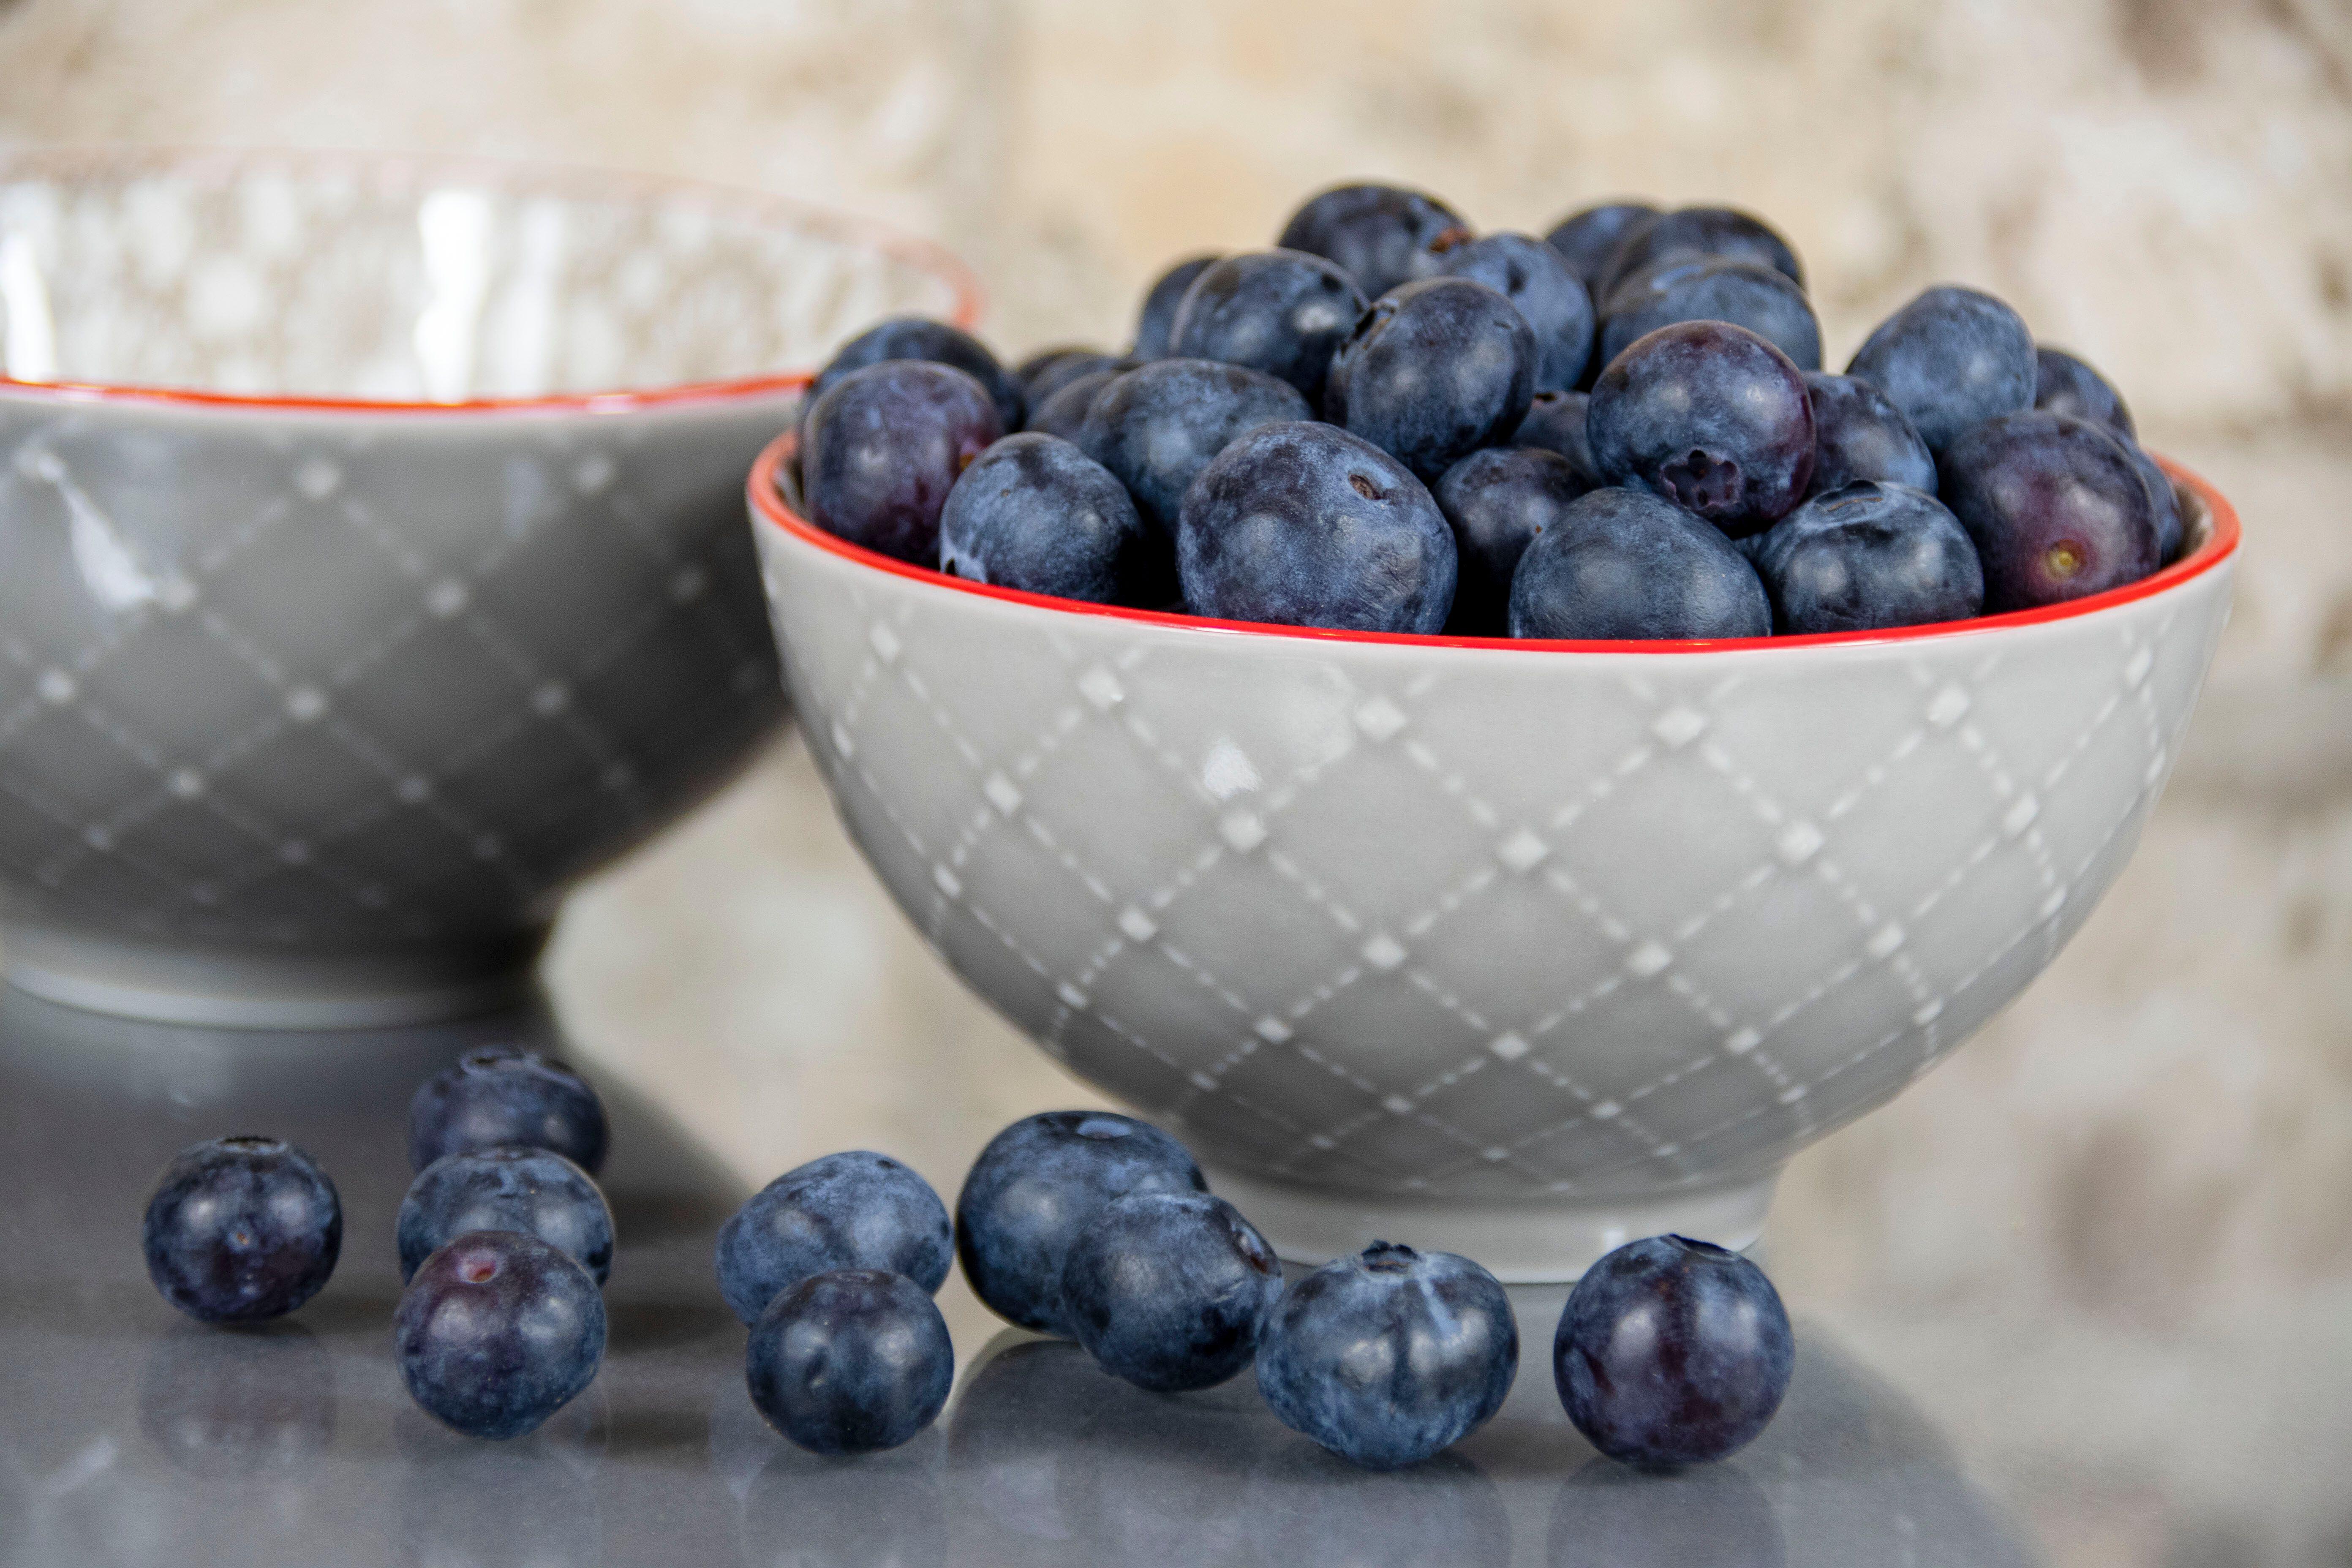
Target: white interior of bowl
point(353, 278)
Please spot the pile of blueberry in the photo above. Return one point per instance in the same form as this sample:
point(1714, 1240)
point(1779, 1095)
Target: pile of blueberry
point(1100, 1228)
point(1389, 424)
point(1080, 1224)
point(505, 1239)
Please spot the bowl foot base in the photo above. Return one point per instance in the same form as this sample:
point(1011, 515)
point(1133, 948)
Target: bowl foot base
point(218, 988)
point(1521, 1242)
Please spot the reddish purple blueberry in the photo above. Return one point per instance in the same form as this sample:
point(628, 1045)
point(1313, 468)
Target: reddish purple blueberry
point(2057, 507)
point(1672, 1352)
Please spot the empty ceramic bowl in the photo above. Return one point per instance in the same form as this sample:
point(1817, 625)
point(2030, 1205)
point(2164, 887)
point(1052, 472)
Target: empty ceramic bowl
point(370, 557)
point(1516, 950)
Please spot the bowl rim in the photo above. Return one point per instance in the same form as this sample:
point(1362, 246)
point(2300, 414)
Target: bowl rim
point(2223, 535)
point(577, 182)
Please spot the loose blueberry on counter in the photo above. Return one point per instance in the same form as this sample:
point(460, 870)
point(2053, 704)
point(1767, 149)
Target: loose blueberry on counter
point(500, 1096)
point(1381, 235)
point(2063, 384)
point(851, 1210)
point(2056, 506)
point(497, 1331)
point(883, 447)
point(1306, 525)
point(1859, 434)
point(1699, 231)
point(1623, 564)
point(1867, 556)
point(1588, 237)
point(1064, 369)
point(1672, 1351)
point(1498, 500)
point(1169, 1290)
point(1036, 1185)
point(850, 1361)
point(239, 1229)
point(1708, 416)
point(1158, 426)
point(1389, 1356)
point(1037, 514)
point(1432, 372)
point(1158, 317)
point(1063, 412)
point(1534, 277)
point(1950, 359)
point(1280, 312)
point(1712, 288)
point(535, 1190)
point(935, 342)
point(1556, 422)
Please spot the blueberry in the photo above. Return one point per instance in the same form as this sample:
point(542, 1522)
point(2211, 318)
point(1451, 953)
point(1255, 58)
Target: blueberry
point(850, 1361)
point(1036, 1186)
point(1712, 288)
point(1699, 231)
point(502, 1095)
point(1672, 1351)
point(1498, 501)
point(1043, 362)
point(936, 343)
point(1950, 359)
point(1709, 416)
point(1281, 312)
point(2056, 506)
point(1387, 1357)
point(1555, 422)
point(534, 1191)
point(1588, 237)
point(2161, 495)
point(1434, 371)
point(1063, 368)
point(1158, 317)
point(241, 1228)
point(1867, 556)
point(1169, 1290)
point(1532, 275)
point(1859, 434)
point(1037, 514)
point(884, 447)
point(1306, 525)
point(1621, 563)
point(497, 1331)
point(1158, 426)
point(1063, 412)
point(1381, 235)
point(2062, 384)
point(852, 1210)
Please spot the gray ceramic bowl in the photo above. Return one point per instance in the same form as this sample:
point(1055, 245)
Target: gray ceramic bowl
point(371, 563)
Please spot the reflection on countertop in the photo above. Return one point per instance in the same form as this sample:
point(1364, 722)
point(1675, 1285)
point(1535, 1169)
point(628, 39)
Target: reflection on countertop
point(134, 1437)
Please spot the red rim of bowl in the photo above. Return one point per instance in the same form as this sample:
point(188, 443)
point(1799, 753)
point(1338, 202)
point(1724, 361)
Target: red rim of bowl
point(573, 182)
point(2221, 543)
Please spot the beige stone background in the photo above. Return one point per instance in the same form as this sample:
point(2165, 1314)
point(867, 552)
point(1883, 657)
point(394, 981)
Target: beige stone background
point(2109, 1246)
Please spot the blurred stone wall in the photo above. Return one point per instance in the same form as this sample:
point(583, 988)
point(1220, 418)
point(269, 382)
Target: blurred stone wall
point(2143, 1173)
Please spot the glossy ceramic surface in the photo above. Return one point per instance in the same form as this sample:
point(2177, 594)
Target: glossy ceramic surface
point(1512, 950)
point(137, 1438)
point(374, 567)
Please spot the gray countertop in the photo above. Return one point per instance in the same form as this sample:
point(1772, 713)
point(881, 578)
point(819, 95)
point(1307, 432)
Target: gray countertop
point(131, 1436)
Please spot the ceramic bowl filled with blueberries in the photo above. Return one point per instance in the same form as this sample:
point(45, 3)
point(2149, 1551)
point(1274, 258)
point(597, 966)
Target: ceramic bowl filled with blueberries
point(1480, 735)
